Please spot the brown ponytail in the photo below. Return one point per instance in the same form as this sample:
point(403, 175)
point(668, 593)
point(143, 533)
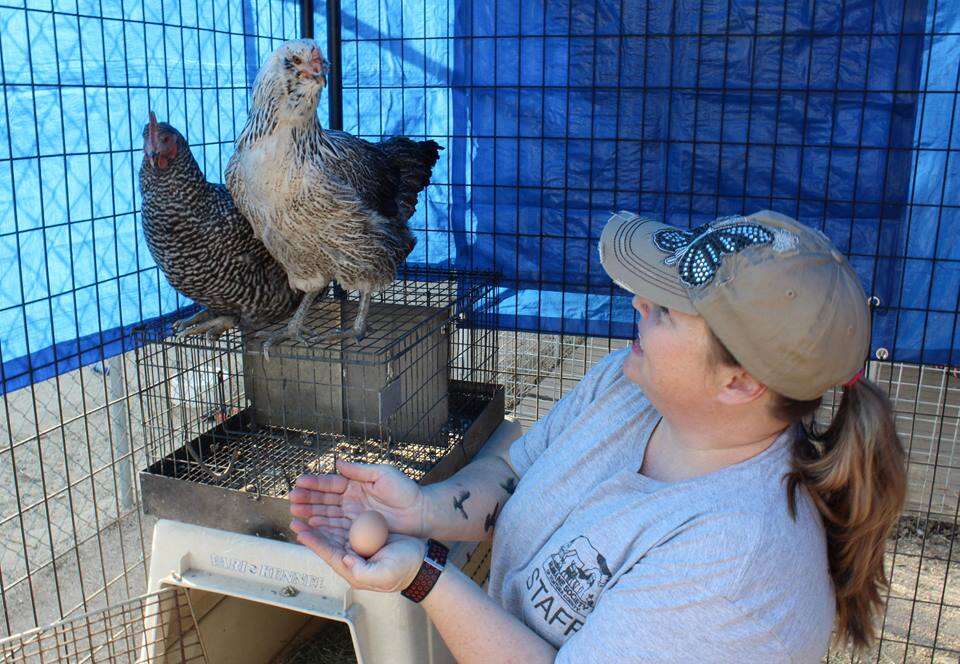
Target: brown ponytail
point(855, 473)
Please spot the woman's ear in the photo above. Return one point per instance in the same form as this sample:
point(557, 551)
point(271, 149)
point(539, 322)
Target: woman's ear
point(738, 387)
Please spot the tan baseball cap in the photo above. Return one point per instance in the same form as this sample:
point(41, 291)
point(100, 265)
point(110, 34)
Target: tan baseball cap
point(777, 293)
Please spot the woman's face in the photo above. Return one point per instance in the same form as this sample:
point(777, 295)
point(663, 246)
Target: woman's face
point(670, 358)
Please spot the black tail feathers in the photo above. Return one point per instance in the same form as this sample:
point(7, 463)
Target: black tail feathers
point(414, 160)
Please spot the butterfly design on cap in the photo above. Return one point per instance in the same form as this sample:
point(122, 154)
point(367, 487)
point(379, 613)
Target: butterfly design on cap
point(698, 252)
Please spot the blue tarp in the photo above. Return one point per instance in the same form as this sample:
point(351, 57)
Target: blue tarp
point(553, 114)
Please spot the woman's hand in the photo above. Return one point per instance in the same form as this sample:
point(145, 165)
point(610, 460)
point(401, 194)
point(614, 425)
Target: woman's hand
point(391, 569)
point(328, 504)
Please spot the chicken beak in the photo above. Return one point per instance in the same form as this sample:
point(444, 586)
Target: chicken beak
point(317, 68)
point(315, 71)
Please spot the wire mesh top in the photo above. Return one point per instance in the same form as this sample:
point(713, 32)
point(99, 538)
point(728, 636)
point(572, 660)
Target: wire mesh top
point(458, 297)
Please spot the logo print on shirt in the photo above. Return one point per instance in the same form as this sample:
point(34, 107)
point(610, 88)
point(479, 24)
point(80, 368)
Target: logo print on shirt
point(578, 573)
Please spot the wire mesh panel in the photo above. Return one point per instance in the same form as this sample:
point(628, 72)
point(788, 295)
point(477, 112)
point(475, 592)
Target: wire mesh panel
point(922, 618)
point(76, 82)
point(552, 114)
point(160, 627)
point(556, 113)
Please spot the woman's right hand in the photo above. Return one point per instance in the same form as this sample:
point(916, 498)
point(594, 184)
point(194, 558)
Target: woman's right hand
point(331, 502)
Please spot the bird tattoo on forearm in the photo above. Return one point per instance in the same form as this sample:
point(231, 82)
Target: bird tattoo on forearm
point(459, 501)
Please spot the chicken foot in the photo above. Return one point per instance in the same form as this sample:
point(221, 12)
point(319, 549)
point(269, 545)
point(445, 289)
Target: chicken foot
point(292, 329)
point(205, 322)
point(185, 323)
point(360, 327)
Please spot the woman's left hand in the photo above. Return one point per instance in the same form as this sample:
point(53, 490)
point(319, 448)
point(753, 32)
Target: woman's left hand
point(391, 569)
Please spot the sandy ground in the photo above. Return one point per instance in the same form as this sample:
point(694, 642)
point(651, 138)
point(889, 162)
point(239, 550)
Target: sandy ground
point(922, 619)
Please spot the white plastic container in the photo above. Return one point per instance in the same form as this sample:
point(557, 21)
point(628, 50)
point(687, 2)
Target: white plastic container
point(271, 575)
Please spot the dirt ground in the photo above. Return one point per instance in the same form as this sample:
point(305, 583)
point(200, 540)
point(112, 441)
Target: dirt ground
point(922, 619)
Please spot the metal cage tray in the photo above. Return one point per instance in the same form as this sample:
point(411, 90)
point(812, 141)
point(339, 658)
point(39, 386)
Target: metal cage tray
point(259, 464)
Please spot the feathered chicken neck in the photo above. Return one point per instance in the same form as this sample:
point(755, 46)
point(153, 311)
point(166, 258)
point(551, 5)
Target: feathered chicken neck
point(275, 107)
point(182, 171)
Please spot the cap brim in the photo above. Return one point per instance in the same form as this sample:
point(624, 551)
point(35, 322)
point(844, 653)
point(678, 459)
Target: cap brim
point(634, 262)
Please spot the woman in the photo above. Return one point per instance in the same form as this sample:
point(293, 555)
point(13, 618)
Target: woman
point(678, 504)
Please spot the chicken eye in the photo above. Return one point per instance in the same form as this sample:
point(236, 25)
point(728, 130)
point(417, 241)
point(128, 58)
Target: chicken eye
point(295, 59)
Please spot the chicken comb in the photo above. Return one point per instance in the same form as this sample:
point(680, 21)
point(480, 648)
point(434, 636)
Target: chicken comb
point(153, 131)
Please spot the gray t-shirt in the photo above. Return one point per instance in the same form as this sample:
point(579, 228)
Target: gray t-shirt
point(611, 566)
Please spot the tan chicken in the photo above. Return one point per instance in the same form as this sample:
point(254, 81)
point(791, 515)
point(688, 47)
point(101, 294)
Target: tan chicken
point(327, 205)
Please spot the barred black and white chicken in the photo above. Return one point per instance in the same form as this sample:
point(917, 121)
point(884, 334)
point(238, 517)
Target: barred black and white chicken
point(326, 204)
point(202, 243)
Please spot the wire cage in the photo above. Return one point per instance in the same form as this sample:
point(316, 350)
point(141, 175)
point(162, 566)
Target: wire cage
point(176, 625)
point(222, 414)
point(120, 634)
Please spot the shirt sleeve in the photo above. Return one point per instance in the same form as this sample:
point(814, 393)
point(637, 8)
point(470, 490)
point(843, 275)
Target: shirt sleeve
point(672, 607)
point(528, 447)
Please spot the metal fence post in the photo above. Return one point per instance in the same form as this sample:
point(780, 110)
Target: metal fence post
point(306, 19)
point(117, 395)
point(334, 52)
